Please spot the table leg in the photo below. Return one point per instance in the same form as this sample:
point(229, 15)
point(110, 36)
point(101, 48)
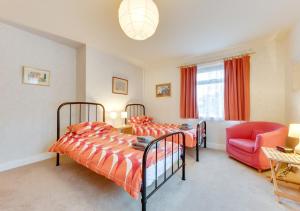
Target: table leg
point(275, 185)
point(277, 167)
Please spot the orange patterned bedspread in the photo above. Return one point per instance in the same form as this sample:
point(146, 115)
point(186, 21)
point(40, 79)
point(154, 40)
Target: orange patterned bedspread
point(156, 130)
point(109, 153)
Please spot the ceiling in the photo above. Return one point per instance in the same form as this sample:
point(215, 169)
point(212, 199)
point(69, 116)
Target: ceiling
point(187, 28)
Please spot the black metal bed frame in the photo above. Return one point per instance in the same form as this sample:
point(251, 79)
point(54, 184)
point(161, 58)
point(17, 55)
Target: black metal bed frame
point(173, 137)
point(145, 195)
point(136, 109)
point(88, 104)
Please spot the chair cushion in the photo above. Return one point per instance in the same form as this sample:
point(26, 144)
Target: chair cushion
point(246, 145)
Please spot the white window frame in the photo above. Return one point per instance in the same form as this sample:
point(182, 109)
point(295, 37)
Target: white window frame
point(206, 68)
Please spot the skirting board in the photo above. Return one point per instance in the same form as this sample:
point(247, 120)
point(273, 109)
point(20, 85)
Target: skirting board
point(22, 162)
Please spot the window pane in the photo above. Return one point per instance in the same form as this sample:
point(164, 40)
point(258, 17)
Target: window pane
point(210, 90)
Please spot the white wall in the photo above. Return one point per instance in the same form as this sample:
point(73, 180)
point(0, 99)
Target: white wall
point(81, 73)
point(28, 112)
point(100, 68)
point(293, 79)
point(293, 76)
point(267, 89)
point(295, 43)
point(267, 83)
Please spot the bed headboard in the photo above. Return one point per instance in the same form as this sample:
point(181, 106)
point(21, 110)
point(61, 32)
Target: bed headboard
point(69, 113)
point(134, 110)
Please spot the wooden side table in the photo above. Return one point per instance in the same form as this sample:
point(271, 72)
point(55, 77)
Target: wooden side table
point(127, 129)
point(277, 158)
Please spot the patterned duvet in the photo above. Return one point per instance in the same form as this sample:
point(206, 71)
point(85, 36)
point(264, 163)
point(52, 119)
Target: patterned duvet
point(109, 153)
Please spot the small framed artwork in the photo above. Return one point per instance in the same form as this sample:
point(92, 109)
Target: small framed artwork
point(163, 90)
point(36, 76)
point(119, 86)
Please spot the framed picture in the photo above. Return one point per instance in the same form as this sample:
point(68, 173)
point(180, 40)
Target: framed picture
point(163, 90)
point(119, 86)
point(36, 76)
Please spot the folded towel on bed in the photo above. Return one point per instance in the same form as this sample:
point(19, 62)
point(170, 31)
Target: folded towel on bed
point(142, 142)
point(186, 126)
point(145, 139)
point(139, 146)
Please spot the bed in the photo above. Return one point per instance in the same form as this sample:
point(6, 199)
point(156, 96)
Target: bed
point(102, 149)
point(194, 138)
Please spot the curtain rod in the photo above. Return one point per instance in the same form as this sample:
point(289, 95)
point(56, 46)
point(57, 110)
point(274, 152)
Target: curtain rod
point(217, 59)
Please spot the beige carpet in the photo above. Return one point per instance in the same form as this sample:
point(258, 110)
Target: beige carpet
point(215, 183)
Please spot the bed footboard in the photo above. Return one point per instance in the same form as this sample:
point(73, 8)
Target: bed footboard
point(174, 139)
point(200, 137)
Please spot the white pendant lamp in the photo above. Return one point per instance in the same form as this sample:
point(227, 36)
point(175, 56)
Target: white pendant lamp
point(138, 18)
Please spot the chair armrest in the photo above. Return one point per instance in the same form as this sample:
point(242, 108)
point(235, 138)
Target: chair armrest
point(271, 139)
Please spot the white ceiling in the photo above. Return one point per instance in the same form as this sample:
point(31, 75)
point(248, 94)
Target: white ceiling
point(187, 27)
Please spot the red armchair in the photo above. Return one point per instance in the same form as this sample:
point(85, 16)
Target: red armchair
point(244, 142)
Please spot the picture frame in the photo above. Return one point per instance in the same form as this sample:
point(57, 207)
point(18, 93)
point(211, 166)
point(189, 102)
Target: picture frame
point(163, 90)
point(34, 76)
point(119, 86)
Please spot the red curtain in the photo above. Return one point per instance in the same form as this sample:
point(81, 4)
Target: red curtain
point(237, 88)
point(188, 92)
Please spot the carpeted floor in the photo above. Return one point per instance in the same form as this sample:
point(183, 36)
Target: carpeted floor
point(215, 183)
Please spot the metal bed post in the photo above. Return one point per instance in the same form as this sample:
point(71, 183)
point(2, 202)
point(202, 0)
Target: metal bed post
point(144, 198)
point(197, 141)
point(58, 134)
point(144, 195)
point(200, 138)
point(204, 138)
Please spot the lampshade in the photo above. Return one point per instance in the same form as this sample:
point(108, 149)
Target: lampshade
point(123, 115)
point(113, 115)
point(294, 130)
point(138, 18)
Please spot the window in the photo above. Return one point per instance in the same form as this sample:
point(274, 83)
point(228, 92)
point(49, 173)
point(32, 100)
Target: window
point(210, 91)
